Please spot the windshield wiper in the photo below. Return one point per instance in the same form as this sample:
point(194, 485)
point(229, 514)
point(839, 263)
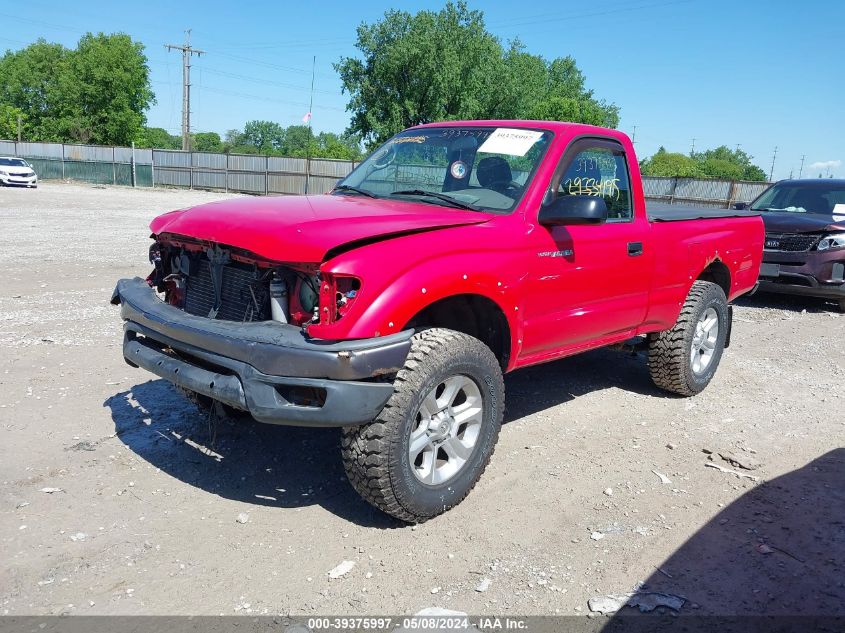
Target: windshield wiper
point(363, 192)
point(439, 196)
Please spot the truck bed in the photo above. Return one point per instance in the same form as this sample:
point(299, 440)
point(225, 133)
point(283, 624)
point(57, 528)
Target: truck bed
point(663, 212)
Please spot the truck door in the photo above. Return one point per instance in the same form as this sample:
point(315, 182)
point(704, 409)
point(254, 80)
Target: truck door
point(589, 281)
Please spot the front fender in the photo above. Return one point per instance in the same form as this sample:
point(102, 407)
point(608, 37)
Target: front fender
point(392, 294)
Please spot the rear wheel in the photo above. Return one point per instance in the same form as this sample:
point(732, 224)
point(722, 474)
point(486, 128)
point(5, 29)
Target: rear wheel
point(842, 305)
point(432, 441)
point(684, 359)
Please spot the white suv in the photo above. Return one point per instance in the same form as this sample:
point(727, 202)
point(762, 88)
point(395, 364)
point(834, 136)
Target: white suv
point(16, 171)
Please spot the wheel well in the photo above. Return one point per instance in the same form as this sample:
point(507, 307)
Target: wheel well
point(471, 314)
point(719, 274)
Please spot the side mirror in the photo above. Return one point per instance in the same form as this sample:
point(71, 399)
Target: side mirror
point(573, 210)
point(741, 206)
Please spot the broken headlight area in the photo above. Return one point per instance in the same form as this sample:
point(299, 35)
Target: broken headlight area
point(834, 240)
point(337, 295)
point(220, 283)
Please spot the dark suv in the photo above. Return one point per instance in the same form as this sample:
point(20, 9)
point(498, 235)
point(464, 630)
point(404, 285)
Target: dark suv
point(805, 238)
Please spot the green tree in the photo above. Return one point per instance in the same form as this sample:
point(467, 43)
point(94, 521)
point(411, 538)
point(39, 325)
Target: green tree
point(157, 138)
point(418, 68)
point(235, 143)
point(732, 164)
point(445, 65)
point(206, 142)
point(721, 162)
point(341, 147)
point(31, 83)
point(721, 168)
point(298, 141)
point(9, 121)
point(579, 110)
point(265, 136)
point(106, 90)
point(97, 93)
point(671, 164)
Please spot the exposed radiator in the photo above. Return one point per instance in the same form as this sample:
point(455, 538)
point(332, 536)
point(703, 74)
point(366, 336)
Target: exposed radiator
point(241, 289)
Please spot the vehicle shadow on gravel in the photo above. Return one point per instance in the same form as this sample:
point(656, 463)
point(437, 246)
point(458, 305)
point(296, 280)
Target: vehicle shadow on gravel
point(534, 389)
point(778, 550)
point(263, 464)
point(292, 467)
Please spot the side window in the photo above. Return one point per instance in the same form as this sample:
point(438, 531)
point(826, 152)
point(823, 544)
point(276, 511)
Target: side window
point(600, 171)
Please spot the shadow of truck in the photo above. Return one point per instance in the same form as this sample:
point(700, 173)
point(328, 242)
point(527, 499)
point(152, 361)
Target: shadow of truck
point(773, 560)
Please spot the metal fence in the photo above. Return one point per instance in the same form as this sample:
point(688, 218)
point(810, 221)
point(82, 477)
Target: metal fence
point(244, 173)
point(701, 191)
point(89, 163)
point(263, 175)
point(247, 173)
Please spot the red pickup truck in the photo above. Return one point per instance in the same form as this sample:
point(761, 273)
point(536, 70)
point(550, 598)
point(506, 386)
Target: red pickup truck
point(392, 306)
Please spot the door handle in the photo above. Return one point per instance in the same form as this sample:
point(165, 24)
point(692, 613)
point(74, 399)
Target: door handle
point(635, 248)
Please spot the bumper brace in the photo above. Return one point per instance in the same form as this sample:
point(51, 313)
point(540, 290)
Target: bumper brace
point(263, 368)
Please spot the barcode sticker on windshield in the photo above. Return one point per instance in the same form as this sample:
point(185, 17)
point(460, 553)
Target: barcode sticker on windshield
point(510, 141)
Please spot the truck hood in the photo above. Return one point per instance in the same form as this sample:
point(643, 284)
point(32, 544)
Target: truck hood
point(786, 222)
point(306, 228)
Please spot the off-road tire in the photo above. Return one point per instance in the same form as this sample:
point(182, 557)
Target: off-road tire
point(375, 455)
point(842, 305)
point(669, 352)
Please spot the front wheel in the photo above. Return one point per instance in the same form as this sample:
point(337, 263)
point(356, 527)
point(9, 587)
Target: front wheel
point(684, 359)
point(433, 439)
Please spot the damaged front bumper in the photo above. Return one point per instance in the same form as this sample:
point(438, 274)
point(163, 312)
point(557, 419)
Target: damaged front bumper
point(272, 370)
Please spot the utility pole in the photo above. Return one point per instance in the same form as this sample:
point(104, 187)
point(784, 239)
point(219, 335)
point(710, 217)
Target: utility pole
point(772, 171)
point(634, 135)
point(20, 124)
point(801, 171)
point(692, 149)
point(187, 51)
point(310, 116)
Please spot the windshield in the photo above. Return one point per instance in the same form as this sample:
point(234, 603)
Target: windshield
point(482, 168)
point(823, 198)
point(13, 162)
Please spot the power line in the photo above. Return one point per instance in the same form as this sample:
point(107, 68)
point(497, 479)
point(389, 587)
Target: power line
point(260, 80)
point(567, 18)
point(246, 95)
point(187, 51)
point(267, 64)
point(322, 43)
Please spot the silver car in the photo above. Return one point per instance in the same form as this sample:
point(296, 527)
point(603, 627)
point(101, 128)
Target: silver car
point(16, 171)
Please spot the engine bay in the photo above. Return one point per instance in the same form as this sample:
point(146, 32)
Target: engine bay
point(218, 282)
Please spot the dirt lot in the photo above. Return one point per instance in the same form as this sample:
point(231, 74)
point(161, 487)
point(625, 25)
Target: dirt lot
point(144, 520)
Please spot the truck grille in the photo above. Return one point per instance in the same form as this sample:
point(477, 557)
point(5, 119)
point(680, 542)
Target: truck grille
point(791, 242)
point(240, 283)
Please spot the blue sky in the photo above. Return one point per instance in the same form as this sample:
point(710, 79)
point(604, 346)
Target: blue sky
point(752, 73)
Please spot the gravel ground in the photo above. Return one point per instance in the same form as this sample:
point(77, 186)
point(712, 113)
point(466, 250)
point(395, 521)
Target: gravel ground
point(599, 484)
